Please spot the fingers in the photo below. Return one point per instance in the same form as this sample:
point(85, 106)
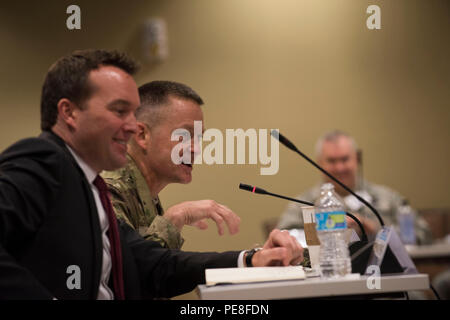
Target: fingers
point(350, 222)
point(272, 257)
point(218, 220)
point(283, 240)
point(201, 224)
point(223, 215)
point(231, 219)
point(194, 213)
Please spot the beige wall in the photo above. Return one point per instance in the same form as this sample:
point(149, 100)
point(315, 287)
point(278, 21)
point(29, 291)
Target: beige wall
point(301, 66)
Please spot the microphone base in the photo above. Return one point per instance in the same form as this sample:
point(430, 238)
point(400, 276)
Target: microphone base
point(389, 264)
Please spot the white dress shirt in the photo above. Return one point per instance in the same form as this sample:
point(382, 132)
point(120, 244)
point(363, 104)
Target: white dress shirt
point(104, 292)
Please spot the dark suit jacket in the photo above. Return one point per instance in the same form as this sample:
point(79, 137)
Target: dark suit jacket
point(49, 221)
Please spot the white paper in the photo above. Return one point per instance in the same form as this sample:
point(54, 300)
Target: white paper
point(255, 274)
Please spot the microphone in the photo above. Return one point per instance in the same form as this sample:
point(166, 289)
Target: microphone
point(262, 191)
point(283, 140)
point(395, 258)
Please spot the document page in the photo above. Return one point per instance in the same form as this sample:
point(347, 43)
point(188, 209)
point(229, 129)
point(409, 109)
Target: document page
point(255, 274)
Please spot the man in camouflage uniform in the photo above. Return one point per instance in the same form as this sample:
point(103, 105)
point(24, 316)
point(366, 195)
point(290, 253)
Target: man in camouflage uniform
point(133, 203)
point(336, 153)
point(165, 107)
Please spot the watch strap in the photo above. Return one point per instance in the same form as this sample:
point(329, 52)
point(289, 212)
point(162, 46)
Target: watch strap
point(249, 256)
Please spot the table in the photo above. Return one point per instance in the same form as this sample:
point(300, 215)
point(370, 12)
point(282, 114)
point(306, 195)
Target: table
point(313, 288)
point(440, 250)
point(430, 259)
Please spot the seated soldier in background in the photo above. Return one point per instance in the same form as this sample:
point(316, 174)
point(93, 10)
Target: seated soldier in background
point(336, 152)
point(165, 107)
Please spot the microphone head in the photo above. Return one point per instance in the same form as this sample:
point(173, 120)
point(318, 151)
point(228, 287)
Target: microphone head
point(283, 140)
point(244, 186)
point(251, 188)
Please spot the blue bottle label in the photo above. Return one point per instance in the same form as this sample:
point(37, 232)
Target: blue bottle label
point(333, 220)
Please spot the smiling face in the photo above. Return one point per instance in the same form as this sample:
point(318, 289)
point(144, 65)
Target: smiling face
point(105, 123)
point(339, 158)
point(178, 114)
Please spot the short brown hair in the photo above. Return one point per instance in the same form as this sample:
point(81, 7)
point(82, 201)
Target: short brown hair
point(156, 94)
point(67, 78)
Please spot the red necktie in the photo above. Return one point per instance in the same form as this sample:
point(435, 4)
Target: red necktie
point(113, 235)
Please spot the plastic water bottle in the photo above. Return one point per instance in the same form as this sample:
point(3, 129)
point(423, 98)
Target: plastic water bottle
point(331, 226)
point(406, 217)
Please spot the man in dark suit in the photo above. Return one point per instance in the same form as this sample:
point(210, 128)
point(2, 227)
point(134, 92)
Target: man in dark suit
point(58, 235)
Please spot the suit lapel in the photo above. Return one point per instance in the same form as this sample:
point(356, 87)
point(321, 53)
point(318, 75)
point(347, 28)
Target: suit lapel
point(93, 214)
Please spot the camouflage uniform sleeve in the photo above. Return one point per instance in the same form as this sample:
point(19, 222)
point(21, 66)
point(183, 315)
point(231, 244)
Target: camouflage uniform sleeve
point(142, 217)
point(119, 205)
point(306, 263)
point(164, 232)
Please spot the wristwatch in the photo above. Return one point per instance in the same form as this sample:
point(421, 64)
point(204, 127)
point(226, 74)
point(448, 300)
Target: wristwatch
point(249, 256)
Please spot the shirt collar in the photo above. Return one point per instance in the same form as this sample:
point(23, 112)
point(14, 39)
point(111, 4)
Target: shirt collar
point(90, 173)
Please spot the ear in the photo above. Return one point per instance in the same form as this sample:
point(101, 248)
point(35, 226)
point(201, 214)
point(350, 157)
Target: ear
point(142, 136)
point(68, 112)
